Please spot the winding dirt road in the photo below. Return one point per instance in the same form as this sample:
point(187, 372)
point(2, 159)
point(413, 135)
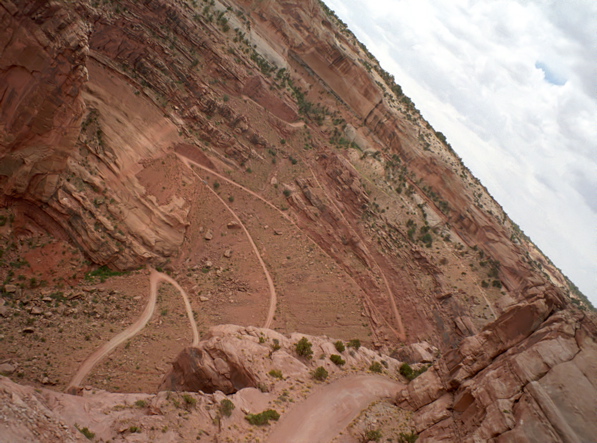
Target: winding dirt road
point(155, 277)
point(400, 333)
point(273, 300)
point(328, 411)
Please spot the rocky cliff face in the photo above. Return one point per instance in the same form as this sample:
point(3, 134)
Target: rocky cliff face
point(228, 142)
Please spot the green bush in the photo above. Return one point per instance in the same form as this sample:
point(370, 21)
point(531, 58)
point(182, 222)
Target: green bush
point(103, 273)
point(409, 373)
point(354, 343)
point(372, 435)
point(411, 437)
point(376, 367)
point(340, 346)
point(303, 348)
point(276, 373)
point(262, 418)
point(320, 373)
point(86, 432)
point(226, 407)
point(337, 360)
point(141, 403)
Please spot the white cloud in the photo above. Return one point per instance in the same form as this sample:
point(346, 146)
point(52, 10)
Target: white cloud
point(512, 85)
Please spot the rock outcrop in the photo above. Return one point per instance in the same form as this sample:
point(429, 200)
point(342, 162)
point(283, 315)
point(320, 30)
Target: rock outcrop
point(529, 376)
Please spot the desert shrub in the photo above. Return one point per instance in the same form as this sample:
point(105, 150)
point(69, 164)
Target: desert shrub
point(376, 367)
point(226, 407)
point(320, 373)
point(276, 373)
point(354, 343)
point(340, 346)
point(189, 400)
point(337, 360)
point(409, 373)
point(411, 437)
point(141, 403)
point(86, 432)
point(372, 435)
point(262, 418)
point(303, 348)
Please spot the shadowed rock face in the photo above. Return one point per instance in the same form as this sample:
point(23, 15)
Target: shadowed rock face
point(197, 370)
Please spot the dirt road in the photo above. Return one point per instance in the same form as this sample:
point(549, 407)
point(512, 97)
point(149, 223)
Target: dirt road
point(273, 301)
point(155, 277)
point(328, 411)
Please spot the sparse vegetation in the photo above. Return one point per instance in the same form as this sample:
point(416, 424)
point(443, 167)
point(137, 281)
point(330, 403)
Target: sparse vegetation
point(86, 432)
point(354, 343)
point(376, 367)
point(337, 360)
point(303, 348)
point(339, 345)
point(189, 401)
point(103, 273)
point(371, 435)
point(409, 373)
point(411, 437)
point(262, 418)
point(320, 373)
point(276, 373)
point(226, 407)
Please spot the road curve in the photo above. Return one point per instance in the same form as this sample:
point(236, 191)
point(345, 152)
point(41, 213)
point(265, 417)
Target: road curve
point(155, 277)
point(273, 301)
point(328, 411)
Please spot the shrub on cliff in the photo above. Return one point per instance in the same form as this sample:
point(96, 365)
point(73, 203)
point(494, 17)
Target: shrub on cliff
point(303, 348)
point(409, 373)
point(262, 418)
point(320, 373)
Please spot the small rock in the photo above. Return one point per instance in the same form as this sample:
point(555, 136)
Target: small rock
point(28, 330)
point(228, 253)
point(277, 232)
point(208, 235)
point(45, 381)
point(7, 368)
point(36, 310)
point(203, 298)
point(273, 181)
point(208, 264)
point(10, 288)
point(233, 225)
point(47, 299)
point(3, 311)
point(48, 314)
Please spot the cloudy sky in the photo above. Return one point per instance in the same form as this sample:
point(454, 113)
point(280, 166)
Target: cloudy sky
point(513, 86)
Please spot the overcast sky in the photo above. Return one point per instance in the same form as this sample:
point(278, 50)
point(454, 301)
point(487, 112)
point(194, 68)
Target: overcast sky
point(513, 86)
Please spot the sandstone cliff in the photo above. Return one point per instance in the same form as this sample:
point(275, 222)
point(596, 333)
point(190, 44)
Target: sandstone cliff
point(253, 148)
